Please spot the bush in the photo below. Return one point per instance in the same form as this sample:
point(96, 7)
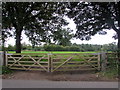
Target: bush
point(38, 48)
point(74, 48)
point(53, 48)
point(60, 48)
point(5, 70)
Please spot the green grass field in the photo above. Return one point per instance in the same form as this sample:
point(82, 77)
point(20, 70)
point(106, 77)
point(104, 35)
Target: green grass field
point(50, 52)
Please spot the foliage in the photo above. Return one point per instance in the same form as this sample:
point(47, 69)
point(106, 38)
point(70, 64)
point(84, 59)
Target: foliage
point(36, 19)
point(111, 73)
point(53, 48)
point(112, 67)
point(73, 47)
point(112, 60)
point(94, 17)
point(62, 37)
point(5, 70)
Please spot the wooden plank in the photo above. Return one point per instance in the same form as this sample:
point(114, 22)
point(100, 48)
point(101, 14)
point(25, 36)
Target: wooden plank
point(28, 53)
point(29, 61)
point(78, 66)
point(75, 69)
point(26, 58)
point(26, 65)
point(26, 69)
point(74, 53)
point(76, 58)
point(75, 62)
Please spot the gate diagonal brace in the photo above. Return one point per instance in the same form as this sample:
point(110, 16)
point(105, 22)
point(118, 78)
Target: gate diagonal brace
point(89, 63)
point(16, 61)
point(62, 63)
point(37, 63)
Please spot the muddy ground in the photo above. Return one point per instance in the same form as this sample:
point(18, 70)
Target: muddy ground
point(58, 76)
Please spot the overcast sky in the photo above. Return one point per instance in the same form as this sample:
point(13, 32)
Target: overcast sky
point(97, 39)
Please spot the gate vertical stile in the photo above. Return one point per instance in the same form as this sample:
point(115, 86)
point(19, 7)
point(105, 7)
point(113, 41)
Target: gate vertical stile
point(51, 63)
point(48, 63)
point(99, 58)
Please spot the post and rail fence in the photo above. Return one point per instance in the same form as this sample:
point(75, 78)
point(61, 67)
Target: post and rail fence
point(51, 62)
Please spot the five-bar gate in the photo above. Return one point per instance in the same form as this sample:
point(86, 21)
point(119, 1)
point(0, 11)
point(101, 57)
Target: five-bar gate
point(52, 62)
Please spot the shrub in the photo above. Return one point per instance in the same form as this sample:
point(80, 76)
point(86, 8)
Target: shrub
point(5, 70)
point(60, 48)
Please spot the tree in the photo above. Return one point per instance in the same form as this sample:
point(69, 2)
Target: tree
point(62, 36)
point(35, 18)
point(91, 18)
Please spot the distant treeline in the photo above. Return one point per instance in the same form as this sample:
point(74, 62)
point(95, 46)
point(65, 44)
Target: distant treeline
point(73, 47)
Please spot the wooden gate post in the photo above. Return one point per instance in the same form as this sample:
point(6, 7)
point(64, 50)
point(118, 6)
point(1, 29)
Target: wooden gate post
point(4, 58)
point(103, 61)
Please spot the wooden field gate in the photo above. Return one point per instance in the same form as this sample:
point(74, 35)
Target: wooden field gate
point(54, 62)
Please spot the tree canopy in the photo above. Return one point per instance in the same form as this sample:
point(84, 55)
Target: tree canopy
point(39, 19)
point(35, 18)
point(93, 17)
point(62, 36)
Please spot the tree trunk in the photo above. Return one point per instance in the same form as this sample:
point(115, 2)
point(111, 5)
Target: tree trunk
point(118, 40)
point(18, 41)
point(3, 49)
point(33, 47)
point(118, 33)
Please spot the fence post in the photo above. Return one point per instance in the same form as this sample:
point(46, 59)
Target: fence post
point(4, 58)
point(104, 61)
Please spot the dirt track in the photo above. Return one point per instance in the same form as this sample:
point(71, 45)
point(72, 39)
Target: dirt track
point(58, 76)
